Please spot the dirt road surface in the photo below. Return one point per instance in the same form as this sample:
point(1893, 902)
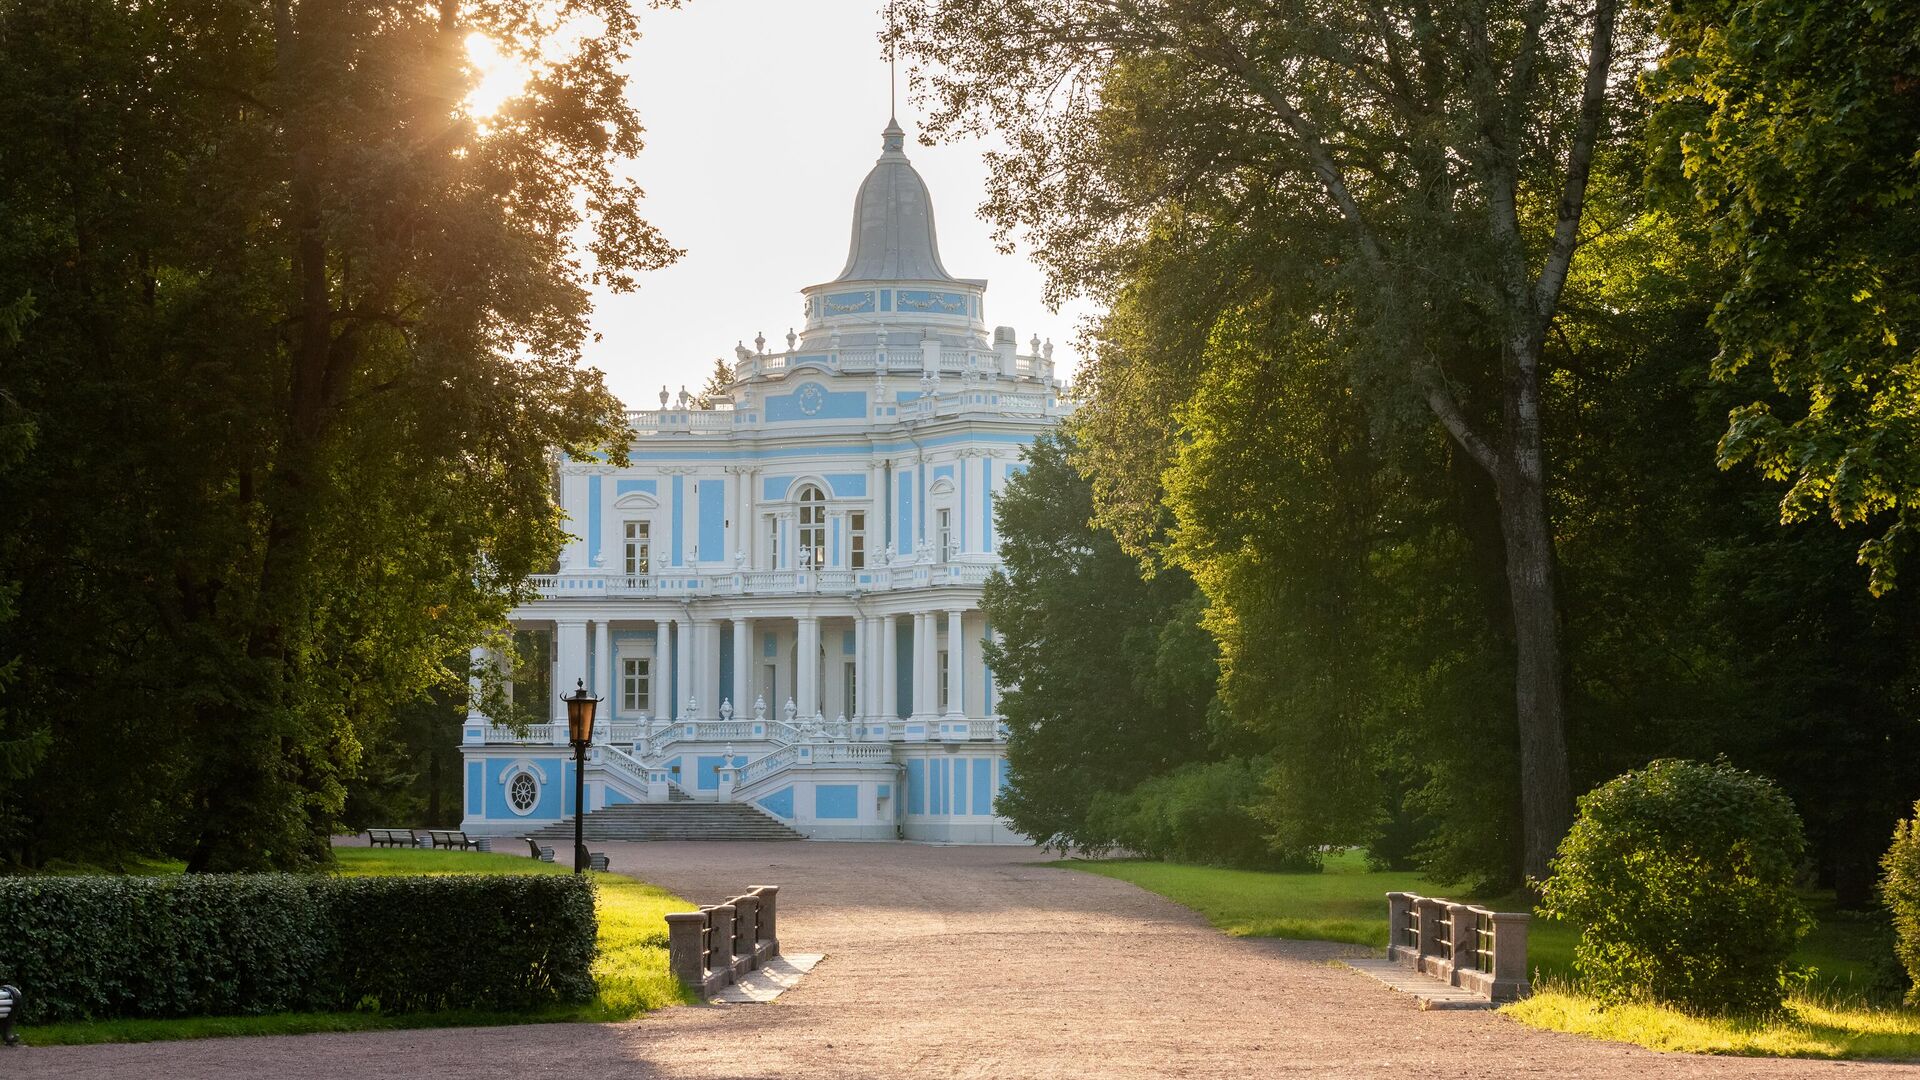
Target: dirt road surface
point(957, 962)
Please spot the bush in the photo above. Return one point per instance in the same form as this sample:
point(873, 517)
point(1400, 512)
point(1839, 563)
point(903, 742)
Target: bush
point(1199, 813)
point(210, 945)
point(1679, 877)
point(1900, 889)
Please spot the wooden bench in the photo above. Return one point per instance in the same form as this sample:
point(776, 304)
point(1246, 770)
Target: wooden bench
point(392, 838)
point(544, 854)
point(598, 861)
point(453, 839)
point(9, 1013)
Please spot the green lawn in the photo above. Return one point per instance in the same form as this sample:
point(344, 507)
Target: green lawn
point(1347, 902)
point(631, 969)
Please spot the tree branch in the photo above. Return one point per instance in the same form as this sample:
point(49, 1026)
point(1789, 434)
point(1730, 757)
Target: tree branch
point(1593, 101)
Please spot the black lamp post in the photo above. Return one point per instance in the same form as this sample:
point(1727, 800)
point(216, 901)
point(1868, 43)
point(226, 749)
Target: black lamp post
point(580, 732)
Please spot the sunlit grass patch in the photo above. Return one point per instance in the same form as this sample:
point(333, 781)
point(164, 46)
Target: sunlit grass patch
point(1808, 1026)
point(630, 969)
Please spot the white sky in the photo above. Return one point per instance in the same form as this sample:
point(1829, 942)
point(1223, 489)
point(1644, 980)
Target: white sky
point(762, 117)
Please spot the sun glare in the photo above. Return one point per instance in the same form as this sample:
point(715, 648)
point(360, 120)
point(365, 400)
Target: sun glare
point(502, 76)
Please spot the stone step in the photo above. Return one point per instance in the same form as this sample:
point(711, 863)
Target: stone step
point(674, 821)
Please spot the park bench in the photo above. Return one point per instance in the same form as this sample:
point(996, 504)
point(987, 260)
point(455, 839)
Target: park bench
point(9, 1010)
point(598, 861)
point(392, 838)
point(453, 839)
point(544, 854)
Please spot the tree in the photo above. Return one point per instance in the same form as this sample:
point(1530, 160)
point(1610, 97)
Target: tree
point(307, 336)
point(1106, 678)
point(719, 381)
point(1443, 154)
point(1792, 129)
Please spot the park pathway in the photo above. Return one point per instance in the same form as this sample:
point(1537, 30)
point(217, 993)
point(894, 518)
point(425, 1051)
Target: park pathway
point(960, 962)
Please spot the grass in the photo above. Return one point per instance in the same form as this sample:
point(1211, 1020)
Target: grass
point(1834, 1018)
point(631, 968)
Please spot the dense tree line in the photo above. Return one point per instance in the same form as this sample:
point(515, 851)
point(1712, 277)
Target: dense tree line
point(1368, 270)
point(294, 336)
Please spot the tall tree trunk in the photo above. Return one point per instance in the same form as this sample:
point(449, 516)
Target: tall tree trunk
point(1546, 795)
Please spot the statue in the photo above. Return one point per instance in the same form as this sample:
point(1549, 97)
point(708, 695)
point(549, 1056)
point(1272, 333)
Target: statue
point(790, 710)
point(806, 557)
point(726, 709)
point(739, 559)
point(791, 338)
point(664, 395)
point(741, 352)
point(760, 344)
point(685, 398)
point(693, 708)
point(760, 708)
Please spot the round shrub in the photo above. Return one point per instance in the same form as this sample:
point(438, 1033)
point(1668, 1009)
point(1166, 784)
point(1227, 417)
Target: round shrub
point(1900, 888)
point(1679, 877)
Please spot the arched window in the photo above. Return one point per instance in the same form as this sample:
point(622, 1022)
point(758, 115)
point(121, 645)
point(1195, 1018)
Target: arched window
point(813, 523)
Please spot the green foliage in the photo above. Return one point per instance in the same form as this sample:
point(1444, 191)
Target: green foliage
point(1679, 877)
point(1900, 890)
point(304, 344)
point(1201, 812)
point(1791, 128)
point(243, 944)
point(1109, 677)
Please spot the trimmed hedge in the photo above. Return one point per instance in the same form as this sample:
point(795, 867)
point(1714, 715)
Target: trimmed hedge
point(240, 944)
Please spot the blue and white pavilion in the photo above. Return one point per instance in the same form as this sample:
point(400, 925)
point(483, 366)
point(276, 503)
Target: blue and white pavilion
point(779, 598)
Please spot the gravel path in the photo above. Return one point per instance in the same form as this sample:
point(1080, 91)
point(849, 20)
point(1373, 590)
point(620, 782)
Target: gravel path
point(961, 962)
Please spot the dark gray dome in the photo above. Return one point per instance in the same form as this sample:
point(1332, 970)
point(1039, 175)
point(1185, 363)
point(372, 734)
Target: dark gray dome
point(893, 221)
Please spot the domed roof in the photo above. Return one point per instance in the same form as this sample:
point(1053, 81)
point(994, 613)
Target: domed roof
point(893, 221)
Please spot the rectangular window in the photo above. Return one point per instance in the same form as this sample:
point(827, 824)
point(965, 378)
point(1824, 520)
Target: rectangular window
point(850, 691)
point(856, 541)
point(773, 543)
point(943, 680)
point(639, 547)
point(635, 686)
point(946, 536)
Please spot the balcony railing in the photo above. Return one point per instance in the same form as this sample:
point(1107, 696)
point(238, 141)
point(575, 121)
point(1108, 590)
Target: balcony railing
point(693, 582)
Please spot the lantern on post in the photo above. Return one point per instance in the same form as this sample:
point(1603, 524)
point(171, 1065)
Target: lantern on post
point(580, 709)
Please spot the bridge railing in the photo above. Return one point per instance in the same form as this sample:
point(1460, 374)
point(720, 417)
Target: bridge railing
point(711, 948)
point(1477, 949)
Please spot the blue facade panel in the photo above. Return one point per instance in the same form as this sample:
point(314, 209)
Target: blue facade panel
point(779, 804)
point(982, 781)
point(629, 487)
point(713, 520)
point(848, 485)
point(916, 786)
point(476, 789)
point(709, 769)
point(836, 801)
point(960, 785)
point(812, 401)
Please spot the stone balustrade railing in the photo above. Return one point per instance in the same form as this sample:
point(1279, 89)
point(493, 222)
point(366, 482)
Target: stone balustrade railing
point(905, 573)
point(1481, 951)
point(711, 948)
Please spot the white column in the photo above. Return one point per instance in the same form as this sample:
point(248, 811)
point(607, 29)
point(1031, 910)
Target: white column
point(742, 668)
point(889, 668)
point(956, 655)
point(602, 681)
point(862, 693)
point(706, 681)
point(806, 690)
point(659, 707)
point(682, 667)
point(477, 660)
point(571, 649)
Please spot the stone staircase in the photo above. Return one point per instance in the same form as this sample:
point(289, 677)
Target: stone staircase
point(674, 820)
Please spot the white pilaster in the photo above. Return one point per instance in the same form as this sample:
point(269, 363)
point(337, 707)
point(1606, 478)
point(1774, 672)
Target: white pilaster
point(956, 667)
point(682, 667)
point(601, 682)
point(806, 677)
point(706, 683)
point(889, 668)
point(477, 660)
point(571, 649)
point(742, 667)
point(658, 702)
point(862, 693)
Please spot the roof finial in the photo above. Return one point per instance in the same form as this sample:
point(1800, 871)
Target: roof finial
point(893, 108)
